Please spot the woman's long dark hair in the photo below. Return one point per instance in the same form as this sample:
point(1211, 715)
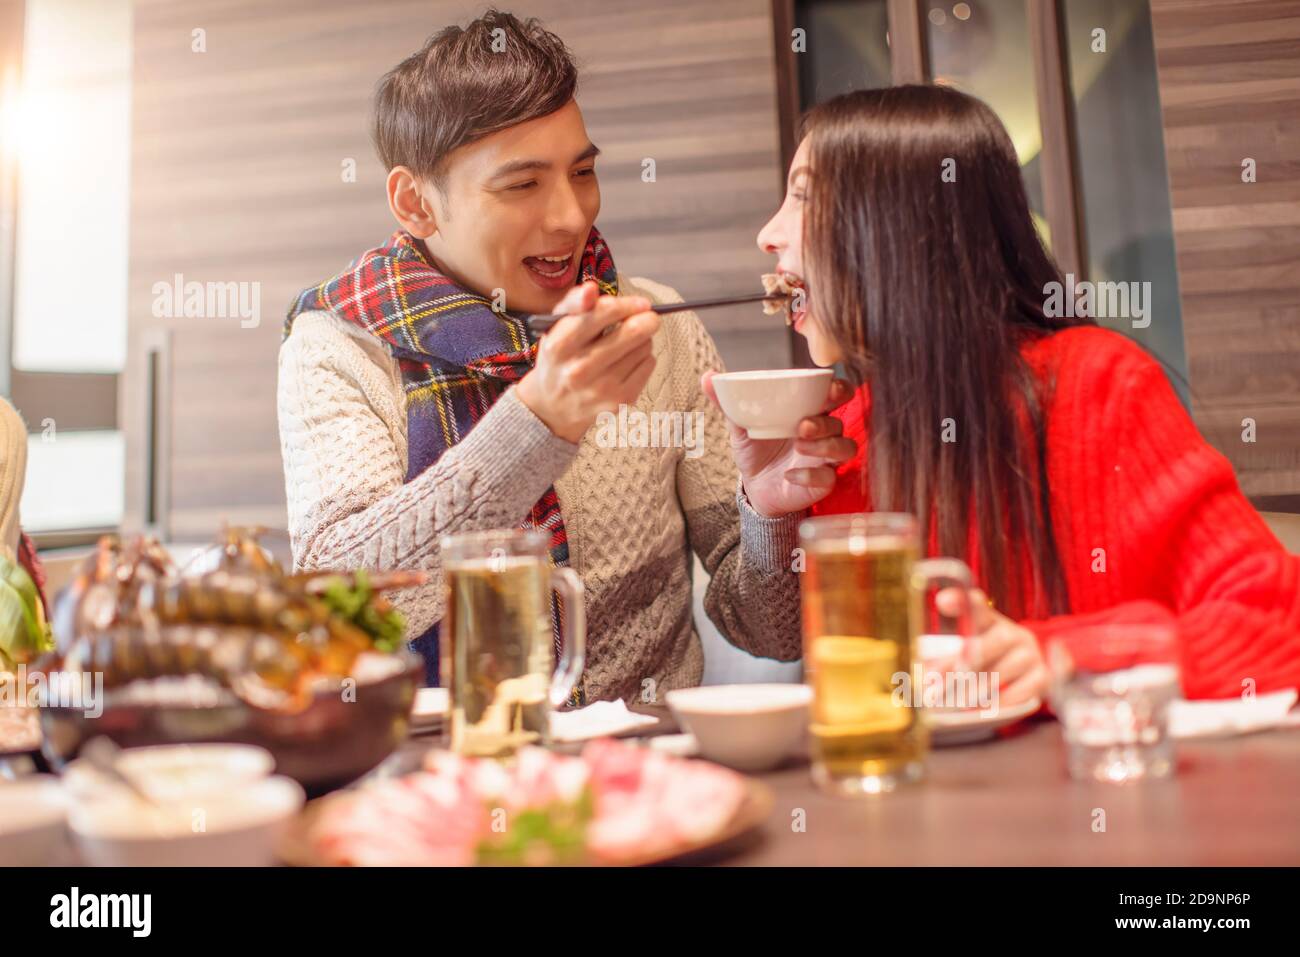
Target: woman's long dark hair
point(923, 263)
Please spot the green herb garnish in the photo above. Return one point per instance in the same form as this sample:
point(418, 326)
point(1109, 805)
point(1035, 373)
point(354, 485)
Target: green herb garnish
point(354, 601)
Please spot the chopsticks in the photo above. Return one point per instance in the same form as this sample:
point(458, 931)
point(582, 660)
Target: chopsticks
point(542, 324)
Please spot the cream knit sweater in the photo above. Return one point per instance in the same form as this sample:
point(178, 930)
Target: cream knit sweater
point(633, 514)
point(13, 472)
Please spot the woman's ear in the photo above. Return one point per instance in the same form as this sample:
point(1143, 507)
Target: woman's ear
point(408, 204)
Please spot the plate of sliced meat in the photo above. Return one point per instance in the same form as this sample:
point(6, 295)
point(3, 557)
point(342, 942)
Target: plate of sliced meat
point(614, 804)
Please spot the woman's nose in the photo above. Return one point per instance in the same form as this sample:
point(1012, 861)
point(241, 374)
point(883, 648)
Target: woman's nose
point(769, 239)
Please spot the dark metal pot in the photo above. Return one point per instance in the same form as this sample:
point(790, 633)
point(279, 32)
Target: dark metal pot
point(330, 744)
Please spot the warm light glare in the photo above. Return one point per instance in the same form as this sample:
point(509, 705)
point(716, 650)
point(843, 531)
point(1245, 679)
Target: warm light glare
point(71, 121)
point(31, 124)
point(10, 108)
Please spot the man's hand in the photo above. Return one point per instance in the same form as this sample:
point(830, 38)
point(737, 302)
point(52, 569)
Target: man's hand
point(580, 371)
point(788, 475)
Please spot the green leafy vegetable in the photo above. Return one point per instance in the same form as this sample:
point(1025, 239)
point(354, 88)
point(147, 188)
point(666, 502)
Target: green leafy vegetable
point(355, 601)
point(552, 834)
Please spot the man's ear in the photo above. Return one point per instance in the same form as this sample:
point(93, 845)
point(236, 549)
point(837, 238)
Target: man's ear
point(408, 204)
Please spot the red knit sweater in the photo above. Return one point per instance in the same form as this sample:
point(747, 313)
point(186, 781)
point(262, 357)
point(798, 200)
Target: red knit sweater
point(1129, 473)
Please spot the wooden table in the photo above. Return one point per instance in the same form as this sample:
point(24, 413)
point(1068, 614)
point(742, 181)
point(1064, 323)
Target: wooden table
point(1008, 801)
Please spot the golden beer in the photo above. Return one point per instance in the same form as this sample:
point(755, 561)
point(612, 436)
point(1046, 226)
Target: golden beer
point(862, 593)
point(497, 648)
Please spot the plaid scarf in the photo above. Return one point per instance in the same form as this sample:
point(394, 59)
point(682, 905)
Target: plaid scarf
point(457, 354)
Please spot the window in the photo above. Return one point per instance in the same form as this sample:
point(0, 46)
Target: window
point(851, 38)
point(982, 49)
point(1084, 116)
point(1121, 161)
point(65, 209)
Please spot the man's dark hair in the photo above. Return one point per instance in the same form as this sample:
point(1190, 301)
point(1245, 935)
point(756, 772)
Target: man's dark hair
point(465, 84)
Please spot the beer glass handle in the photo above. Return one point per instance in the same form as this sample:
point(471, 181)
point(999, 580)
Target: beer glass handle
point(944, 573)
point(573, 658)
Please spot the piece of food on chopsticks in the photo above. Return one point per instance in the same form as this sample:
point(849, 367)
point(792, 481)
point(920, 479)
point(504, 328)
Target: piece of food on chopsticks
point(615, 803)
point(785, 285)
point(269, 637)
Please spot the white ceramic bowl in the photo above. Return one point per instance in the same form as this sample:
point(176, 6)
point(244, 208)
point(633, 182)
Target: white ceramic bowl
point(32, 821)
point(174, 771)
point(747, 727)
point(237, 828)
point(940, 652)
point(770, 404)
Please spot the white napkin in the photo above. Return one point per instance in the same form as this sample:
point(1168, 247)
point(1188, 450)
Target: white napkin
point(1198, 719)
point(597, 720)
point(593, 721)
point(681, 745)
point(430, 704)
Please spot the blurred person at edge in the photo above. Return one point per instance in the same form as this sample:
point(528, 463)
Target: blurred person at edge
point(24, 617)
point(1077, 488)
point(410, 409)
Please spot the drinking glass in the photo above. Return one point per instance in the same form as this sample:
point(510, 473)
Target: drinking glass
point(863, 589)
point(498, 655)
point(1111, 687)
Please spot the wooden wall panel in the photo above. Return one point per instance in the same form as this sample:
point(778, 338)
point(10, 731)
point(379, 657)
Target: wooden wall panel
point(236, 165)
point(1230, 90)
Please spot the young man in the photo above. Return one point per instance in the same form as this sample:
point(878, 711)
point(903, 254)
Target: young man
point(413, 403)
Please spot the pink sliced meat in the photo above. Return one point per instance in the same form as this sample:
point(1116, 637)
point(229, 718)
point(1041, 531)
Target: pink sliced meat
point(646, 803)
point(420, 819)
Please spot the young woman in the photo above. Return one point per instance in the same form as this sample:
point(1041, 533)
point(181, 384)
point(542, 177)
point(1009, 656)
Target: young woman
point(1050, 454)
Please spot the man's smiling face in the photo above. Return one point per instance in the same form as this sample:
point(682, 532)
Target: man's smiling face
point(515, 208)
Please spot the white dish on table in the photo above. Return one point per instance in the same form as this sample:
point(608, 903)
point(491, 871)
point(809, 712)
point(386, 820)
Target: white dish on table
point(937, 656)
point(173, 771)
point(33, 821)
point(429, 708)
point(236, 828)
point(950, 726)
point(599, 719)
point(938, 651)
point(679, 745)
point(749, 727)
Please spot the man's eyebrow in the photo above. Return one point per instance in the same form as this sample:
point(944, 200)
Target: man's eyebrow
point(518, 166)
point(528, 165)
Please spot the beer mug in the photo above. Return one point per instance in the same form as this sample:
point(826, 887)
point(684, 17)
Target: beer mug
point(862, 592)
point(497, 654)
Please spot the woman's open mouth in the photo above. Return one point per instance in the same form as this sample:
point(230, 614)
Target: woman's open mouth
point(552, 272)
point(786, 284)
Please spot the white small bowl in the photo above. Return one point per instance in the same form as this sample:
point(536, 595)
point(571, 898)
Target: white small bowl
point(938, 655)
point(770, 404)
point(746, 727)
point(174, 771)
point(238, 828)
point(33, 816)
point(940, 652)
